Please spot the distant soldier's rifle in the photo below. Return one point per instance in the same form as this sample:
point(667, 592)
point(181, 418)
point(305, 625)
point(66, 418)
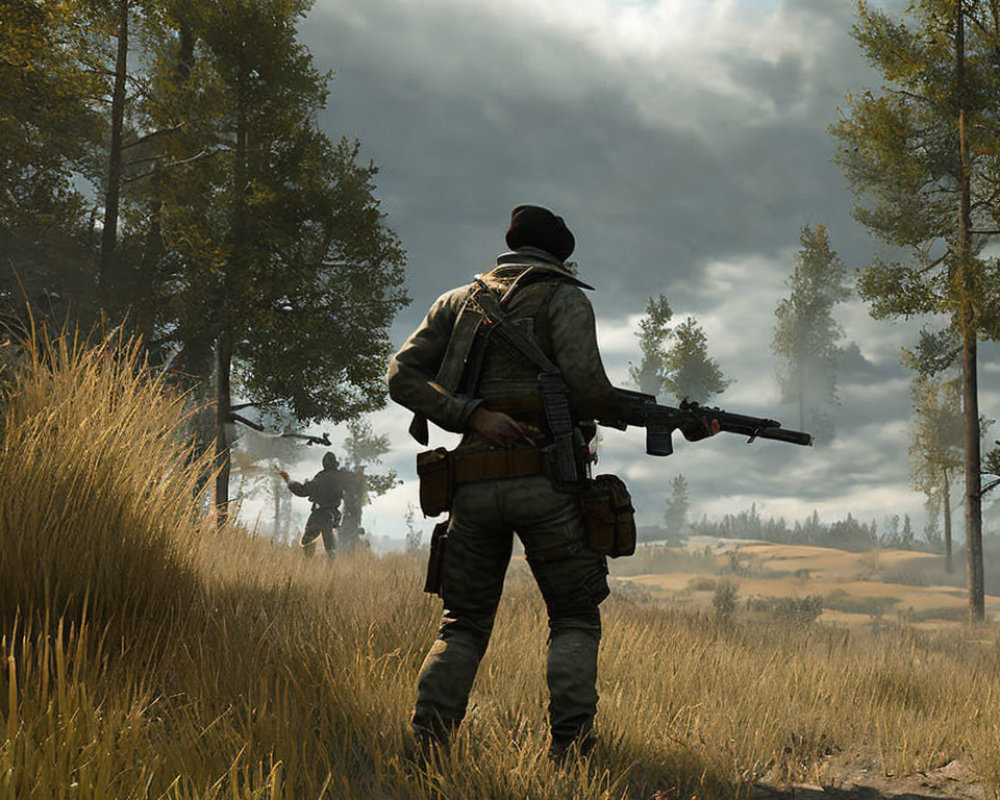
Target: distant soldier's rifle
point(693, 420)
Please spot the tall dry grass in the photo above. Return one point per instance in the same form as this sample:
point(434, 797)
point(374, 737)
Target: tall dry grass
point(96, 511)
point(147, 655)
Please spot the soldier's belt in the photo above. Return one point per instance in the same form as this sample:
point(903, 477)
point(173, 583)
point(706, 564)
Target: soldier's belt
point(515, 404)
point(469, 467)
point(526, 409)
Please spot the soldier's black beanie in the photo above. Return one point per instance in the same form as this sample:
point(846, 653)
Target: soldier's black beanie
point(534, 226)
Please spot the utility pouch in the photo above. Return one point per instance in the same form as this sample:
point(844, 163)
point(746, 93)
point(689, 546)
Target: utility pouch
point(435, 470)
point(439, 536)
point(609, 516)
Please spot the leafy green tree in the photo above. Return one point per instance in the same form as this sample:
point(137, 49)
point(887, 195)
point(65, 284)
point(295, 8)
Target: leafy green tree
point(47, 128)
point(925, 155)
point(675, 359)
point(991, 467)
point(688, 371)
point(932, 526)
point(283, 277)
point(654, 332)
point(806, 334)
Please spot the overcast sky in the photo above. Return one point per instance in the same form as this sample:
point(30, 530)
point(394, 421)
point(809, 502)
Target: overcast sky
point(685, 143)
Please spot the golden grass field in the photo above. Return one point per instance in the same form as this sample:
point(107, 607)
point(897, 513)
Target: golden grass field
point(147, 655)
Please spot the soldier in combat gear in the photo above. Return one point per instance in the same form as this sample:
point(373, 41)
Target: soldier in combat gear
point(452, 372)
point(326, 491)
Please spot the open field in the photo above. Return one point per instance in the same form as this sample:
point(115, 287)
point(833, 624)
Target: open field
point(147, 655)
point(857, 589)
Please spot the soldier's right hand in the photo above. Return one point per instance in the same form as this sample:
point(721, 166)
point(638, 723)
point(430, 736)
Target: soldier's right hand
point(499, 428)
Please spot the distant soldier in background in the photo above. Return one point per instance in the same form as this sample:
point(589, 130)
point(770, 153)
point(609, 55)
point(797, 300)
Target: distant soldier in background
point(326, 491)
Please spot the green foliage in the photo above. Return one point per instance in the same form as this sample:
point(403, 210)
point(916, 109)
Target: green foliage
point(936, 449)
point(806, 334)
point(675, 359)
point(900, 152)
point(654, 332)
point(688, 371)
point(991, 467)
point(48, 125)
point(798, 611)
point(364, 448)
point(246, 241)
point(269, 230)
point(925, 157)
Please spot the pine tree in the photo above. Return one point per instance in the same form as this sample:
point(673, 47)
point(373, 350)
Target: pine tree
point(925, 154)
point(675, 359)
point(654, 332)
point(806, 334)
point(689, 373)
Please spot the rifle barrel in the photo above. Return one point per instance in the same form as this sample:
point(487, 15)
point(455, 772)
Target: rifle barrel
point(762, 429)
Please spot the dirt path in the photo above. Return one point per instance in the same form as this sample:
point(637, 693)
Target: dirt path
point(853, 781)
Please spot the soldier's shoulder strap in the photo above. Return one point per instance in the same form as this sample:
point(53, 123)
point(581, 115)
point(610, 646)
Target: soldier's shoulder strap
point(495, 318)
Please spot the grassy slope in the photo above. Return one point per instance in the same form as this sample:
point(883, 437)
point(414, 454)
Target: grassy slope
point(149, 656)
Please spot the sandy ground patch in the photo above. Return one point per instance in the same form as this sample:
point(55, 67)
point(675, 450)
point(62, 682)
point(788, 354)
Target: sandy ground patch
point(857, 588)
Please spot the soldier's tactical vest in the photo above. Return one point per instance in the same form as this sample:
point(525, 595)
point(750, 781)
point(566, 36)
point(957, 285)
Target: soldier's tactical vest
point(476, 364)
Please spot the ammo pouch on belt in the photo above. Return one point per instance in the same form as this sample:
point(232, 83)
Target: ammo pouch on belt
point(436, 473)
point(609, 516)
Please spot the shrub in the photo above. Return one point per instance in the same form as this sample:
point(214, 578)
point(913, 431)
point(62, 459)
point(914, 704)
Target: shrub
point(724, 599)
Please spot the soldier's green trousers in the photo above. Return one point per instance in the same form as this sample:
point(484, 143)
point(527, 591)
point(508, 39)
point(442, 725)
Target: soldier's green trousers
point(572, 580)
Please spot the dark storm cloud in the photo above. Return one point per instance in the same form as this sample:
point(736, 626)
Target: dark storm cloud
point(659, 167)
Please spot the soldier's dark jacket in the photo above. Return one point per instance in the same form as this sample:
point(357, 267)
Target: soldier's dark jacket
point(325, 489)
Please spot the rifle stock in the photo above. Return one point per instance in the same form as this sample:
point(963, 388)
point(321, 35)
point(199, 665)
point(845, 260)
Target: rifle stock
point(694, 421)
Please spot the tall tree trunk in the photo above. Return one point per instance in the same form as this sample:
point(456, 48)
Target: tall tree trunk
point(970, 389)
point(973, 498)
point(223, 411)
point(224, 343)
point(106, 267)
point(949, 567)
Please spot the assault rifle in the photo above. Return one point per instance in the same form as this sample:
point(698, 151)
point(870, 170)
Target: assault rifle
point(693, 420)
